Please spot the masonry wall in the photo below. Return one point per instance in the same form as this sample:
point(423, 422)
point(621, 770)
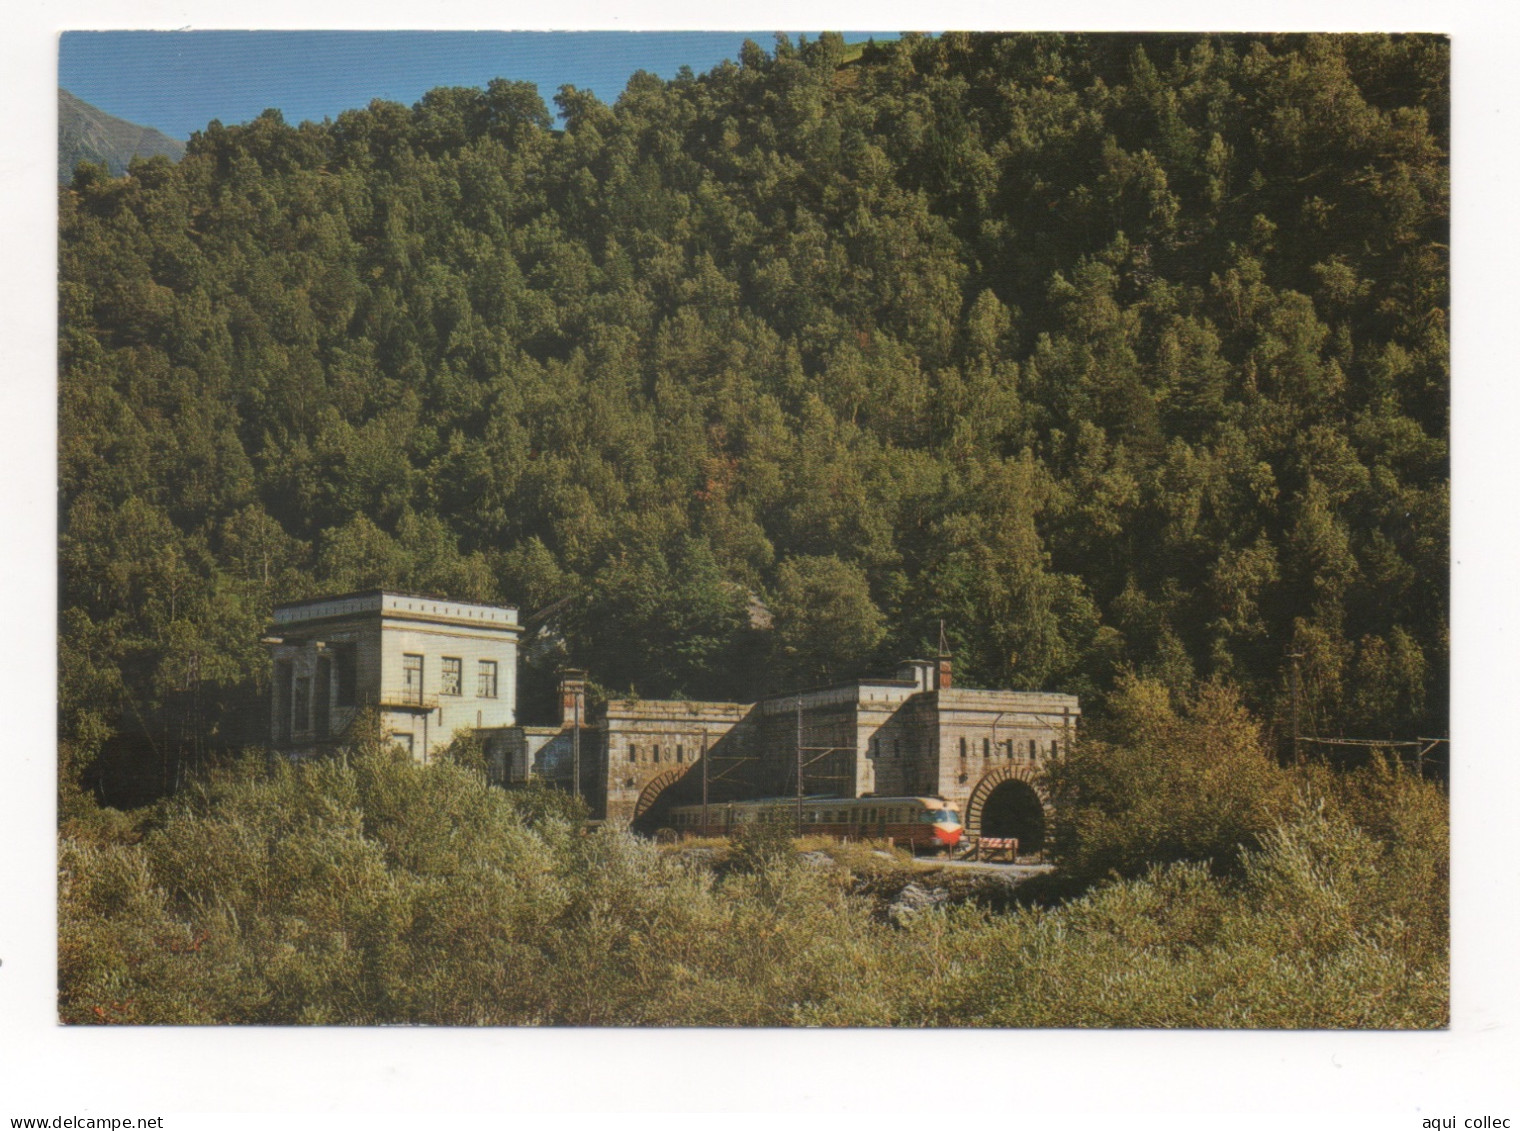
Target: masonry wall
point(645, 740)
point(465, 709)
point(997, 729)
point(297, 675)
point(514, 754)
point(349, 653)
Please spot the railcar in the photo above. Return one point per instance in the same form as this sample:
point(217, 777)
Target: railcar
point(919, 822)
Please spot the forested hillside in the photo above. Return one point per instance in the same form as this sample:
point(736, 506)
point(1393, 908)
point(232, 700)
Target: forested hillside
point(1116, 353)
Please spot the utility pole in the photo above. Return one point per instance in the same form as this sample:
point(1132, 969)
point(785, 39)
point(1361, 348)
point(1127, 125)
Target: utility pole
point(1298, 755)
point(575, 747)
point(704, 783)
point(799, 763)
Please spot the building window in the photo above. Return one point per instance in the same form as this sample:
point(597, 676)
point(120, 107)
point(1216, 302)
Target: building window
point(1034, 749)
point(656, 751)
point(986, 748)
point(633, 752)
point(963, 748)
point(680, 753)
point(284, 682)
point(345, 674)
point(411, 677)
point(485, 680)
point(452, 677)
point(321, 707)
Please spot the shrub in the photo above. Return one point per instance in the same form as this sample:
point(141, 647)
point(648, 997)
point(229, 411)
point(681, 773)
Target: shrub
point(763, 842)
point(374, 890)
point(538, 805)
point(1196, 784)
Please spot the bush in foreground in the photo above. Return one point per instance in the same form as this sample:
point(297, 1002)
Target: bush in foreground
point(1195, 783)
point(379, 891)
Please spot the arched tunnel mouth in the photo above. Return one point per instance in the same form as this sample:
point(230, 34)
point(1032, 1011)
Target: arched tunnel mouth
point(664, 793)
point(1014, 809)
point(657, 816)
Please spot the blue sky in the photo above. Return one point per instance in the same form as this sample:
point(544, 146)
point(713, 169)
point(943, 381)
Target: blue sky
point(177, 81)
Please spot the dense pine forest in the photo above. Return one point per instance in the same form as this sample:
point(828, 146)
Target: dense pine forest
point(1123, 356)
point(1119, 354)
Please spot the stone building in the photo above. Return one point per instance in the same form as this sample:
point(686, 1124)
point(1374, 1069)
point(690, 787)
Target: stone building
point(914, 734)
point(433, 667)
point(429, 666)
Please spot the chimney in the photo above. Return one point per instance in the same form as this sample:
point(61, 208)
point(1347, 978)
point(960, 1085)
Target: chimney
point(943, 681)
point(572, 697)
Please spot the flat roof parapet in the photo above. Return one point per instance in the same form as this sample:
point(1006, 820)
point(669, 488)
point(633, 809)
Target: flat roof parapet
point(387, 602)
point(666, 708)
point(979, 697)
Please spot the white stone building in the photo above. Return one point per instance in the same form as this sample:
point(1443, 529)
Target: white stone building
point(429, 666)
point(433, 667)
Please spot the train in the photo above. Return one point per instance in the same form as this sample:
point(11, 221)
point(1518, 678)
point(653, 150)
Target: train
point(922, 823)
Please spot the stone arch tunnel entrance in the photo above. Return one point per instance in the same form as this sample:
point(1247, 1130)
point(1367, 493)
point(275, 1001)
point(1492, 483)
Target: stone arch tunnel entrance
point(651, 811)
point(1006, 803)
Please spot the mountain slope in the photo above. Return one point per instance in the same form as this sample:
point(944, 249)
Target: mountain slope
point(88, 134)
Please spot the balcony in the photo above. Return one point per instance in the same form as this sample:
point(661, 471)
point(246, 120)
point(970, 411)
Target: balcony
point(405, 699)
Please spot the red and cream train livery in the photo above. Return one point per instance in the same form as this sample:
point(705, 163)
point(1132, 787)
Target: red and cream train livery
point(922, 822)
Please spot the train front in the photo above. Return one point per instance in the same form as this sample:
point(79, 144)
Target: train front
point(945, 823)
